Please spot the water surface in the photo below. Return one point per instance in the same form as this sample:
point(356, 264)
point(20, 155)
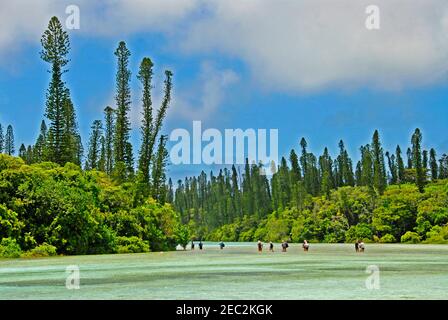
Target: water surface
point(327, 271)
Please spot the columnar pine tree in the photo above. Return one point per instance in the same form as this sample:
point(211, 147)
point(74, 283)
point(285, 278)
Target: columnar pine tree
point(425, 161)
point(29, 155)
point(158, 171)
point(417, 160)
point(379, 170)
point(2, 139)
point(433, 164)
point(443, 167)
point(22, 152)
point(122, 123)
point(367, 167)
point(102, 161)
point(94, 149)
point(392, 168)
point(40, 148)
point(410, 158)
point(170, 192)
point(55, 47)
point(325, 168)
point(71, 139)
point(9, 141)
point(145, 77)
point(400, 165)
point(109, 139)
point(295, 167)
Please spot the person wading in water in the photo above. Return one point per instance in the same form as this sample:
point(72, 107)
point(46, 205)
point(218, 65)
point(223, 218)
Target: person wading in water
point(305, 245)
point(271, 246)
point(260, 246)
point(285, 245)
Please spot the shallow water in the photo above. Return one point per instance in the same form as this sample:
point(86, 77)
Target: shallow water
point(327, 271)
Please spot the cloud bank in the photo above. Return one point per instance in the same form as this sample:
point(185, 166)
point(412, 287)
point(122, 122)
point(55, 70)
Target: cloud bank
point(289, 45)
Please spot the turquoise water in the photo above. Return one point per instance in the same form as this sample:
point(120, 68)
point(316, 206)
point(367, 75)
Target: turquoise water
point(327, 271)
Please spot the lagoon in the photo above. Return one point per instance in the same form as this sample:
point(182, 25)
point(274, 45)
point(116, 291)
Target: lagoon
point(327, 271)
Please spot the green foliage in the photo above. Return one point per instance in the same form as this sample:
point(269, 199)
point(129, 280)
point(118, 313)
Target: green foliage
point(132, 245)
point(438, 235)
point(9, 248)
point(410, 237)
point(362, 231)
point(78, 212)
point(182, 235)
point(43, 250)
point(387, 238)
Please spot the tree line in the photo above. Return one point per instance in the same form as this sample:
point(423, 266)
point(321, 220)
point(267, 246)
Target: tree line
point(109, 149)
point(209, 201)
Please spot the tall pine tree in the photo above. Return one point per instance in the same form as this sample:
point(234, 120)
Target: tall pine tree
point(109, 139)
point(433, 164)
point(417, 160)
point(122, 148)
point(93, 156)
point(9, 141)
point(2, 139)
point(55, 47)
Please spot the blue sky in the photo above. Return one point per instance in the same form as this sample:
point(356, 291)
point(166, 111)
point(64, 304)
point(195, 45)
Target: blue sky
point(330, 85)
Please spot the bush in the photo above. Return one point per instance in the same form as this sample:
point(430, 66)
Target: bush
point(132, 245)
point(9, 248)
point(437, 235)
point(361, 231)
point(410, 237)
point(387, 238)
point(44, 250)
point(182, 235)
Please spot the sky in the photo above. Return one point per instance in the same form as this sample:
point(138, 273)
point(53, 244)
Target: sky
point(308, 68)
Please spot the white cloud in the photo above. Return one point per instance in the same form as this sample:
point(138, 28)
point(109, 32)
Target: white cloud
point(310, 45)
point(289, 45)
point(201, 100)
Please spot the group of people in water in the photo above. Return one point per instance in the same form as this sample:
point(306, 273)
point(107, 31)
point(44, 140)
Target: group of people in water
point(359, 245)
point(201, 245)
point(284, 244)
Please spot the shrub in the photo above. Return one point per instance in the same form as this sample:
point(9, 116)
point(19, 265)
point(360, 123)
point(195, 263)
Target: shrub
point(43, 250)
point(132, 245)
point(437, 235)
point(361, 231)
point(9, 248)
point(410, 237)
point(387, 238)
point(182, 235)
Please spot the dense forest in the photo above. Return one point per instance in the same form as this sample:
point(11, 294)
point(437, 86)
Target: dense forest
point(57, 198)
point(386, 197)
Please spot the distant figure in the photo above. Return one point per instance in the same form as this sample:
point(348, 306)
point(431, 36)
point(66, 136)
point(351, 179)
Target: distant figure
point(271, 246)
point(357, 246)
point(361, 246)
point(305, 245)
point(221, 245)
point(285, 245)
point(192, 245)
point(260, 246)
point(200, 245)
